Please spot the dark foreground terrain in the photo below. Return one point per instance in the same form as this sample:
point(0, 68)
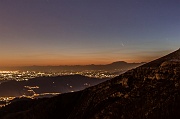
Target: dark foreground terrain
point(151, 91)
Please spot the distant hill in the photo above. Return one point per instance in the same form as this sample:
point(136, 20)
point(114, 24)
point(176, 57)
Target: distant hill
point(115, 65)
point(151, 91)
point(58, 84)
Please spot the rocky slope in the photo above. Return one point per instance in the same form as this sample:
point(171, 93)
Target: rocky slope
point(151, 91)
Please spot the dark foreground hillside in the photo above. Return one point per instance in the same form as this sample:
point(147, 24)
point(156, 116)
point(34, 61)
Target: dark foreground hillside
point(151, 91)
point(58, 107)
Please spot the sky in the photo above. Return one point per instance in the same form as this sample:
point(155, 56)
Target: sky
point(68, 32)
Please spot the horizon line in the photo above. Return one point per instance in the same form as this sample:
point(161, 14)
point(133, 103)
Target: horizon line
point(69, 64)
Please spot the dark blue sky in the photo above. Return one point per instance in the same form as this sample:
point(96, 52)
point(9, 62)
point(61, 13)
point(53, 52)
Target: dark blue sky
point(53, 32)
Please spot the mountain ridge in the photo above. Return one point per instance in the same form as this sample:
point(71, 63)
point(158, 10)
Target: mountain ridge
point(151, 91)
point(126, 80)
point(113, 65)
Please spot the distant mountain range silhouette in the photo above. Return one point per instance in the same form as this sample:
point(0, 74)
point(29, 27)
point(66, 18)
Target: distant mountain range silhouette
point(115, 65)
point(151, 91)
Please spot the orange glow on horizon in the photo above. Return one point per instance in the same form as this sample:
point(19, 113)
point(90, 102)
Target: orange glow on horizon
point(79, 60)
point(63, 62)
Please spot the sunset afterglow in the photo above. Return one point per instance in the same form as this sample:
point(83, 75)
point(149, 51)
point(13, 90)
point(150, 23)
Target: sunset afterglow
point(64, 32)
